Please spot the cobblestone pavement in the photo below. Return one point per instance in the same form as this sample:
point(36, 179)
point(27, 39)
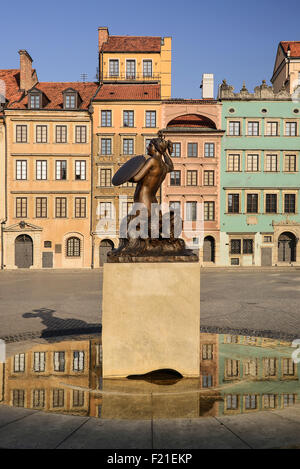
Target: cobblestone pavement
point(51, 303)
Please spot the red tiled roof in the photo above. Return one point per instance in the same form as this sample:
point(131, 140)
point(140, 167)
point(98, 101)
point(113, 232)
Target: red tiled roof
point(128, 92)
point(192, 120)
point(132, 44)
point(11, 79)
point(294, 47)
point(54, 96)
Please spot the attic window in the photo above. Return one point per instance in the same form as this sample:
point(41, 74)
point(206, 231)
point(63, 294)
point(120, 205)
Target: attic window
point(111, 92)
point(34, 100)
point(70, 101)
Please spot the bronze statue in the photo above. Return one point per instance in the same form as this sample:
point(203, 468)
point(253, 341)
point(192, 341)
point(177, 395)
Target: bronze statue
point(149, 174)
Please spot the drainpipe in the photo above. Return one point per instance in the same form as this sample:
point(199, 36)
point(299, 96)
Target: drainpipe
point(91, 110)
point(5, 196)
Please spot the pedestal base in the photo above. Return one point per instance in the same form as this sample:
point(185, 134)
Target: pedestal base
point(151, 318)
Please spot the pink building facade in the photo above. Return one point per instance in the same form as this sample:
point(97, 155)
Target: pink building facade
point(193, 188)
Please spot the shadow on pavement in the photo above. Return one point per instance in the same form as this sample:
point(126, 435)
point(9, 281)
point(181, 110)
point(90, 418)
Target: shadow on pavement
point(56, 326)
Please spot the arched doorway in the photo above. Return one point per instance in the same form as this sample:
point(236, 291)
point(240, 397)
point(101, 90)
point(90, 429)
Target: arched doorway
point(23, 251)
point(209, 249)
point(106, 245)
point(287, 247)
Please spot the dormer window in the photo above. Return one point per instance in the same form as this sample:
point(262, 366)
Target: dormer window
point(35, 100)
point(71, 100)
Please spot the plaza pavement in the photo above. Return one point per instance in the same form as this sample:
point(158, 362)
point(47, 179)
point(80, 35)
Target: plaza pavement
point(30, 429)
point(47, 303)
point(35, 305)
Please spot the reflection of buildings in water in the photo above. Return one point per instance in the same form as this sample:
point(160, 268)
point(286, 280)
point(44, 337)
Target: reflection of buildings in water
point(50, 377)
point(209, 375)
point(256, 374)
point(238, 374)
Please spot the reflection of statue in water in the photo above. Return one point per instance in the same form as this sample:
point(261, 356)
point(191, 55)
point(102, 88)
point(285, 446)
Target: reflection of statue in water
point(149, 174)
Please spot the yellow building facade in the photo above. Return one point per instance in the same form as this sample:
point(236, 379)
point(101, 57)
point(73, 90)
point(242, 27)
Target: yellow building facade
point(135, 75)
point(49, 144)
point(134, 59)
point(123, 124)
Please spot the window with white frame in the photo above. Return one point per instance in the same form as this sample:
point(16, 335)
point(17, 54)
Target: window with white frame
point(80, 207)
point(59, 361)
point(147, 68)
point(80, 134)
point(209, 178)
point(192, 150)
point(191, 177)
point(21, 133)
point(39, 361)
point(150, 118)
point(106, 118)
point(272, 129)
point(127, 146)
point(271, 163)
point(80, 169)
point(105, 146)
point(232, 401)
point(41, 169)
point(19, 363)
point(61, 134)
point(21, 207)
point(41, 134)
point(176, 150)
point(209, 211)
point(209, 150)
point(41, 207)
point(253, 128)
point(113, 68)
point(73, 247)
point(130, 69)
point(78, 361)
point(290, 163)
point(61, 169)
point(128, 118)
point(234, 128)
point(233, 162)
point(21, 169)
point(252, 162)
point(105, 177)
point(291, 129)
point(58, 397)
point(147, 142)
point(60, 207)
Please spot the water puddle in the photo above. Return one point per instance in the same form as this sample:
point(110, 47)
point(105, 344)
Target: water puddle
point(238, 374)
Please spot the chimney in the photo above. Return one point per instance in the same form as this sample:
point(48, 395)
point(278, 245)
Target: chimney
point(103, 36)
point(28, 78)
point(207, 86)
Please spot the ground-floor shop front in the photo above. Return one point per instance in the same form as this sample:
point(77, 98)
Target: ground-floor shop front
point(28, 246)
point(278, 247)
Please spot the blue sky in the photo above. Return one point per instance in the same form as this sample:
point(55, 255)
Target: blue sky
point(236, 40)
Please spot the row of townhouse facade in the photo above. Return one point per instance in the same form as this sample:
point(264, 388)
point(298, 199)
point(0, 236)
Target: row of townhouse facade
point(238, 374)
point(235, 181)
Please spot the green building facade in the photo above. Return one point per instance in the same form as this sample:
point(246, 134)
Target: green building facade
point(260, 178)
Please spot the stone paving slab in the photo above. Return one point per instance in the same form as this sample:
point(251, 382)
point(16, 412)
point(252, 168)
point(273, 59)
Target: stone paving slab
point(24, 428)
point(111, 434)
point(38, 430)
point(206, 433)
point(13, 414)
point(264, 429)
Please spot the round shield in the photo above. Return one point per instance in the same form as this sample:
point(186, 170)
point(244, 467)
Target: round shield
point(128, 170)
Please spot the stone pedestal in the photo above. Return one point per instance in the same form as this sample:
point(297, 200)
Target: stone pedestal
point(151, 318)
